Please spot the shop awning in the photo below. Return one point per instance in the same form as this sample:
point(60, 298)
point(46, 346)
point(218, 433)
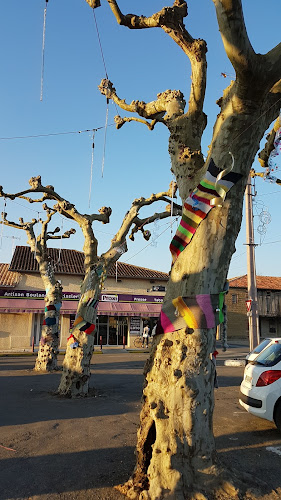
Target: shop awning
point(127, 309)
point(69, 307)
point(21, 305)
point(33, 306)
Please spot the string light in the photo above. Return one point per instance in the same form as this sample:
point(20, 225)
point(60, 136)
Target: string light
point(43, 51)
point(91, 173)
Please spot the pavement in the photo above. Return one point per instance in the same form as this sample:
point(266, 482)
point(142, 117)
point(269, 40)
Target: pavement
point(62, 449)
point(235, 348)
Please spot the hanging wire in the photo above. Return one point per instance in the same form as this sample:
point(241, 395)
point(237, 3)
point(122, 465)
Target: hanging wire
point(35, 250)
point(256, 120)
point(172, 207)
point(98, 35)
point(91, 172)
point(102, 54)
point(13, 243)
point(60, 248)
point(104, 142)
point(53, 134)
point(60, 241)
point(149, 244)
point(107, 100)
point(2, 228)
point(24, 206)
point(43, 51)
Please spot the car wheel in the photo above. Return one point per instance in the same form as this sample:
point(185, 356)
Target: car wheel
point(277, 415)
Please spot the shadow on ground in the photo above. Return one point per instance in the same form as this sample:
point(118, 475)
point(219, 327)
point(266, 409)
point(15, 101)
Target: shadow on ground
point(65, 472)
point(79, 449)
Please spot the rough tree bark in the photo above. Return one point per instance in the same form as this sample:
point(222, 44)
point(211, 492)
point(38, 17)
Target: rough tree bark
point(176, 456)
point(48, 348)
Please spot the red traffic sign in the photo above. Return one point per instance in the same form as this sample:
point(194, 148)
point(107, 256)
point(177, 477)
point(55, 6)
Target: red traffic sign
point(249, 305)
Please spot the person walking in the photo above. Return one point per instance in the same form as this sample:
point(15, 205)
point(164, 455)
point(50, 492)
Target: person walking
point(145, 335)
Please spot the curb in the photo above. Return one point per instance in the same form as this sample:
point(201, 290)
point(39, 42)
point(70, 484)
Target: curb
point(235, 362)
point(141, 351)
point(23, 354)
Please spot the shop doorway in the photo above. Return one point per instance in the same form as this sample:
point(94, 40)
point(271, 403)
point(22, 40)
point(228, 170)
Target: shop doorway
point(37, 321)
point(111, 330)
point(122, 331)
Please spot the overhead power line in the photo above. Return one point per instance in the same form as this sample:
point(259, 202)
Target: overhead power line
point(53, 134)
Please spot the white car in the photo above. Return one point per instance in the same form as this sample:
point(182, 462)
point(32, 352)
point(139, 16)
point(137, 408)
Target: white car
point(260, 390)
point(257, 350)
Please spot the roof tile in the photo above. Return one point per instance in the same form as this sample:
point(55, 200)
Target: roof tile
point(8, 278)
point(72, 262)
point(263, 282)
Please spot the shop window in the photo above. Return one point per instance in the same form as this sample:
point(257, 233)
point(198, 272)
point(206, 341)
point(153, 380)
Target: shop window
point(268, 302)
point(102, 319)
point(272, 327)
point(111, 330)
point(234, 298)
point(72, 319)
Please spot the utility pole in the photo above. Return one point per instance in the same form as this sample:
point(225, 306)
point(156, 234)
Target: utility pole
point(253, 315)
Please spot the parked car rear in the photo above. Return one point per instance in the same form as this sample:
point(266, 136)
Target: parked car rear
point(260, 390)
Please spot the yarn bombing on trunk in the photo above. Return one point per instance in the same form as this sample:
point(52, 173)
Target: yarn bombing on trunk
point(209, 193)
point(198, 311)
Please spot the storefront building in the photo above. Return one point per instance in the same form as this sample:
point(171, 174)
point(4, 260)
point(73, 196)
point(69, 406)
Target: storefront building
point(131, 296)
point(269, 307)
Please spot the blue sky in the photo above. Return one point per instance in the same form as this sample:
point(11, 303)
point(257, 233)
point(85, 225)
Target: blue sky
point(140, 64)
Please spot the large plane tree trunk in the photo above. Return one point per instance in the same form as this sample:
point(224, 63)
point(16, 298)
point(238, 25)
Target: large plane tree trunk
point(177, 407)
point(80, 343)
point(76, 365)
point(49, 343)
point(176, 456)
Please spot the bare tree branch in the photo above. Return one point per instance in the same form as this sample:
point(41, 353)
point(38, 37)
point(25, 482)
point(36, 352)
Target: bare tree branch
point(67, 209)
point(170, 19)
point(141, 223)
point(132, 217)
point(22, 225)
point(234, 36)
point(186, 127)
point(269, 145)
point(240, 51)
point(85, 221)
point(166, 15)
point(121, 121)
point(66, 234)
point(170, 103)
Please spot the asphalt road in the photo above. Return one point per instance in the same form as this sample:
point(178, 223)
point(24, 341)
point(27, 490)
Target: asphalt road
point(79, 449)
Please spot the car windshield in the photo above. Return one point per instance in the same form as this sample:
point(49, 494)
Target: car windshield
point(270, 356)
point(261, 346)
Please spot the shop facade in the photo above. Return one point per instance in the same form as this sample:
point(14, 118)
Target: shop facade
point(131, 297)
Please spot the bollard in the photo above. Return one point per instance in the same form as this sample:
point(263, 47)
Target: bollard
point(101, 342)
point(124, 341)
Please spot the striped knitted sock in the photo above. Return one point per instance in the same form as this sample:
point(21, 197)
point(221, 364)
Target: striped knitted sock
point(210, 191)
